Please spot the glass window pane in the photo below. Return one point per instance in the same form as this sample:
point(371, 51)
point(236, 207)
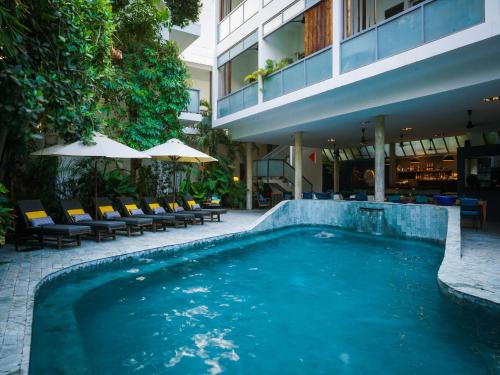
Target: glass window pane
point(451, 142)
point(440, 147)
point(417, 147)
point(401, 34)
point(293, 78)
point(445, 17)
point(348, 153)
point(400, 151)
point(358, 51)
point(355, 153)
point(429, 148)
point(319, 67)
point(461, 140)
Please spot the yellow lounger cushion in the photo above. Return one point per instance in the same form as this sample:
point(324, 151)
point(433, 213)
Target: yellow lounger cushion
point(105, 209)
point(154, 205)
point(76, 211)
point(173, 205)
point(35, 214)
point(131, 207)
point(215, 201)
point(191, 203)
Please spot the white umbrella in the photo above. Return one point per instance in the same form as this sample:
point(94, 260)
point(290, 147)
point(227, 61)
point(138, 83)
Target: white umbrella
point(176, 151)
point(101, 147)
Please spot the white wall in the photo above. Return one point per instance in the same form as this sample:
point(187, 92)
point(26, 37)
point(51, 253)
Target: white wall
point(285, 42)
point(200, 80)
point(202, 50)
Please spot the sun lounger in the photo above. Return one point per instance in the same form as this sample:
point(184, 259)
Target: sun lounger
point(130, 209)
point(76, 215)
point(173, 207)
point(152, 206)
point(106, 211)
point(40, 226)
point(192, 206)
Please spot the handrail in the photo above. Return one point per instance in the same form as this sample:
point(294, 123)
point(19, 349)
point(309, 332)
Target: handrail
point(304, 59)
point(231, 12)
point(388, 20)
point(237, 91)
point(309, 185)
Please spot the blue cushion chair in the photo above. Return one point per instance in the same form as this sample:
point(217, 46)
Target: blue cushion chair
point(394, 198)
point(421, 199)
point(469, 209)
point(362, 197)
point(307, 195)
point(323, 196)
point(263, 202)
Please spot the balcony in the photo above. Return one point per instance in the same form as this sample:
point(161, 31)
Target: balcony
point(244, 98)
point(192, 114)
point(237, 17)
point(303, 73)
point(421, 24)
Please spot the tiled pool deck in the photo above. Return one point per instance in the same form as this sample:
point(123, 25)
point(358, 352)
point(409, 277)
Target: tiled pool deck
point(475, 273)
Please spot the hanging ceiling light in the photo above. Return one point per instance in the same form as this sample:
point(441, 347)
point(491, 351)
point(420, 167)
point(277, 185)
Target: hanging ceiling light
point(448, 158)
point(431, 147)
point(362, 141)
point(414, 161)
point(401, 143)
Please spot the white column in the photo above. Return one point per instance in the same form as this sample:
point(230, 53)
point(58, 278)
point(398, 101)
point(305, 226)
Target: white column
point(249, 169)
point(298, 165)
point(392, 165)
point(336, 174)
point(379, 159)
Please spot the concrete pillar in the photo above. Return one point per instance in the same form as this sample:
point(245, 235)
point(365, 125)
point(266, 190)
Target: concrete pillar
point(392, 165)
point(336, 173)
point(379, 159)
point(298, 165)
point(249, 168)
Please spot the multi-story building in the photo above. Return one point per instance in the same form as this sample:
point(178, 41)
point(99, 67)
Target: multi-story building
point(196, 42)
point(361, 75)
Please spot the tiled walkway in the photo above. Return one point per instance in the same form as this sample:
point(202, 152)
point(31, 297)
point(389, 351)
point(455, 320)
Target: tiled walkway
point(478, 272)
point(20, 272)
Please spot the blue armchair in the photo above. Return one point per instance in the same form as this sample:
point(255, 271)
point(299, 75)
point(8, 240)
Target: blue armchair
point(469, 209)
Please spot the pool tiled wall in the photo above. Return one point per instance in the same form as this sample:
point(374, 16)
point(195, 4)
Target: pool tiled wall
point(427, 222)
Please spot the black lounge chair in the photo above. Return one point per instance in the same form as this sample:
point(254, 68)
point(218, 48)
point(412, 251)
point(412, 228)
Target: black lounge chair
point(76, 215)
point(129, 208)
point(173, 207)
point(106, 211)
point(40, 227)
point(152, 206)
point(191, 206)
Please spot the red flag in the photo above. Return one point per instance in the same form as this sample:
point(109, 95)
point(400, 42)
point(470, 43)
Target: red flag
point(312, 157)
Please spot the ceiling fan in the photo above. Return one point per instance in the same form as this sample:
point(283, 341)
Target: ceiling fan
point(401, 143)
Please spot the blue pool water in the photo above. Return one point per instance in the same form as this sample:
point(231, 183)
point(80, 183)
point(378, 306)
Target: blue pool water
point(303, 300)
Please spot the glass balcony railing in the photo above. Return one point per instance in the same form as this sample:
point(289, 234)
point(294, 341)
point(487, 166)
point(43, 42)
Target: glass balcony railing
point(424, 23)
point(243, 98)
point(306, 72)
point(238, 16)
point(194, 101)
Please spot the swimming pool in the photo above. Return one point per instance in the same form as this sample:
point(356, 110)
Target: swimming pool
point(300, 300)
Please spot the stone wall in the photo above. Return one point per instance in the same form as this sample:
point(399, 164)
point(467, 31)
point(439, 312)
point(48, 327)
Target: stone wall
point(415, 221)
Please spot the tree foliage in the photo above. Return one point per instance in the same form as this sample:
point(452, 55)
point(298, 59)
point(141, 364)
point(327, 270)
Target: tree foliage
point(52, 81)
point(149, 89)
point(183, 12)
